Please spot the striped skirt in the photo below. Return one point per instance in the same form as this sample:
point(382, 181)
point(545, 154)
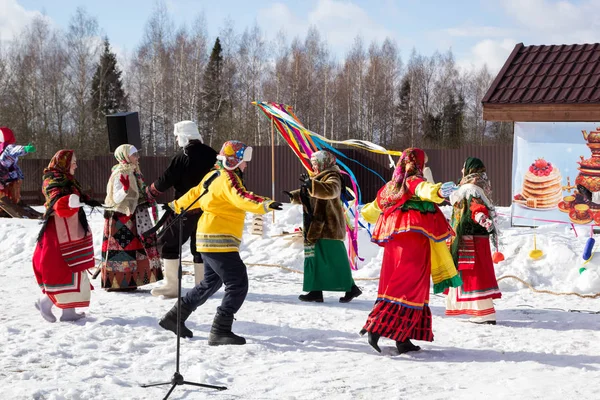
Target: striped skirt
point(480, 287)
point(402, 308)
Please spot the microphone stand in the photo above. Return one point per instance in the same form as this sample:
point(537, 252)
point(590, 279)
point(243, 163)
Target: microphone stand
point(177, 379)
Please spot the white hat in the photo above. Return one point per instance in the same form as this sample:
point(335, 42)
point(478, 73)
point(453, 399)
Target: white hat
point(186, 131)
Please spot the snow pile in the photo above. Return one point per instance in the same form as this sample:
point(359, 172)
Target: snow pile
point(306, 351)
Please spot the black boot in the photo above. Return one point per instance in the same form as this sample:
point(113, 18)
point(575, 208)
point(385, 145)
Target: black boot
point(406, 346)
point(373, 338)
point(169, 321)
point(220, 332)
point(354, 292)
point(315, 296)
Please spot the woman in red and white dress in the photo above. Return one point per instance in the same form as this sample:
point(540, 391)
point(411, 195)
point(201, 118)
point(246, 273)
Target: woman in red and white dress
point(64, 250)
point(473, 221)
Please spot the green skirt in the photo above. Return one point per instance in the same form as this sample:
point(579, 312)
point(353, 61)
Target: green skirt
point(326, 267)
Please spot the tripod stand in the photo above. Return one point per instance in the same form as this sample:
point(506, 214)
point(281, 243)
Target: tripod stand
point(177, 378)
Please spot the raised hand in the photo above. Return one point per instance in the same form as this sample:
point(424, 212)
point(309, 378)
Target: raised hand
point(305, 179)
point(74, 201)
point(276, 206)
point(447, 189)
point(124, 181)
point(29, 148)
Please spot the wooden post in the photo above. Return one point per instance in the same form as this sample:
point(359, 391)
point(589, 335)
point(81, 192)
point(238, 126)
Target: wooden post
point(273, 163)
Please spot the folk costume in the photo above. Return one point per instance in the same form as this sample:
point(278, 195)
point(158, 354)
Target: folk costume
point(473, 217)
point(129, 260)
point(412, 230)
point(11, 176)
point(186, 170)
point(224, 200)
point(64, 250)
point(326, 265)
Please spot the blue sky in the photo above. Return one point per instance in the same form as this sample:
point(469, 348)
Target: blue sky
point(478, 31)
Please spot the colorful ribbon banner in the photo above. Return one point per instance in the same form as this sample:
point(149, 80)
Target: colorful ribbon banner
point(304, 142)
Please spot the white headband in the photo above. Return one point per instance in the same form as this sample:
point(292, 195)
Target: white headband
point(132, 150)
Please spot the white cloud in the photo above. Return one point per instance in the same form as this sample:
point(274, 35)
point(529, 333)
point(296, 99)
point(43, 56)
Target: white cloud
point(279, 17)
point(488, 51)
point(534, 22)
point(339, 22)
point(478, 31)
point(556, 22)
point(13, 18)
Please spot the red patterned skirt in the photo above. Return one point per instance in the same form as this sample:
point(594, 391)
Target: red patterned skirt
point(401, 311)
point(61, 268)
point(476, 268)
point(128, 260)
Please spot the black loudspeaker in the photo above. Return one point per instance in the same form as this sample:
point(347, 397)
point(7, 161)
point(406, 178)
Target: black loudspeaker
point(123, 128)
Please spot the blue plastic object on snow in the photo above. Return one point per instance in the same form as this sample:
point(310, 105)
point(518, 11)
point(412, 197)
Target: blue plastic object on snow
point(587, 250)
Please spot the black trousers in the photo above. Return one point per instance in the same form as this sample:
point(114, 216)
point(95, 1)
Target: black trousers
point(169, 242)
point(221, 268)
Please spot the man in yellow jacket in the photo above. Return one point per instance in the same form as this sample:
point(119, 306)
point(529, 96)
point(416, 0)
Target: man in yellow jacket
point(224, 201)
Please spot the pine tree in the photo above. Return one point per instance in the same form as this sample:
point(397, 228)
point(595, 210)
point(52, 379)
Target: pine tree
point(212, 104)
point(108, 95)
point(453, 120)
point(403, 138)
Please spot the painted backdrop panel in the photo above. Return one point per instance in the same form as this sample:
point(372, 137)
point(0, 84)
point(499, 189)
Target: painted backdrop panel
point(549, 159)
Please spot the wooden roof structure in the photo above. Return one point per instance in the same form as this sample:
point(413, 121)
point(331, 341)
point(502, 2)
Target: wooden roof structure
point(557, 83)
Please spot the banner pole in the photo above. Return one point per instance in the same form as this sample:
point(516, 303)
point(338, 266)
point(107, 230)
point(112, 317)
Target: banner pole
point(273, 163)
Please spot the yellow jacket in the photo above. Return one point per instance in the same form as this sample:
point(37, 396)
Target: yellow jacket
point(224, 209)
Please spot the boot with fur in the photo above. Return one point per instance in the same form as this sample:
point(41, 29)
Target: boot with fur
point(198, 273)
point(169, 287)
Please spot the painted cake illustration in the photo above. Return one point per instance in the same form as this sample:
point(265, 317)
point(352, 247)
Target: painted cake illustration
point(542, 187)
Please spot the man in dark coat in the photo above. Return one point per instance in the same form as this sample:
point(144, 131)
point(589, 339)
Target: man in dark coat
point(187, 168)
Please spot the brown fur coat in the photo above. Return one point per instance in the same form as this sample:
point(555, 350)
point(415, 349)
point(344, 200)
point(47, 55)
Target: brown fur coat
point(328, 220)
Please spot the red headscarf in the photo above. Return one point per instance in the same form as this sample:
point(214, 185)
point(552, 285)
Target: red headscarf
point(410, 165)
point(58, 181)
point(7, 137)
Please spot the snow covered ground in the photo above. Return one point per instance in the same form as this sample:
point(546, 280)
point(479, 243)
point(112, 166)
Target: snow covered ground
point(295, 350)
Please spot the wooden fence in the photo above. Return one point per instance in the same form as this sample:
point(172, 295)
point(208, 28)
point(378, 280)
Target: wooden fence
point(445, 164)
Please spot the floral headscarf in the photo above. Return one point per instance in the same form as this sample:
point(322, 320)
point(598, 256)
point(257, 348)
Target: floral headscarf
point(123, 155)
point(58, 181)
point(475, 173)
point(323, 160)
point(409, 166)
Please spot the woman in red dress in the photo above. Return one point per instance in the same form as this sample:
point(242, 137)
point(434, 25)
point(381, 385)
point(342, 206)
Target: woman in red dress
point(412, 230)
point(64, 250)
